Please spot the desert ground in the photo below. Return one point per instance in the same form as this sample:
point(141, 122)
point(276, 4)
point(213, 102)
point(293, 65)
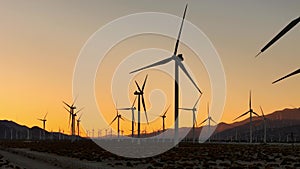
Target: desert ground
point(86, 154)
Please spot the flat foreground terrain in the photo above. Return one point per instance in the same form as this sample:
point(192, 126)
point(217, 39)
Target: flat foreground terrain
point(86, 154)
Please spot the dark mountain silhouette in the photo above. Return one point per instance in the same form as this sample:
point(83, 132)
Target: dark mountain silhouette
point(10, 130)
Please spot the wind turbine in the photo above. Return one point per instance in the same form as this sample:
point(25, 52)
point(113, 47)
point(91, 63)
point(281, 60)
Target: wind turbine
point(163, 118)
point(277, 37)
point(250, 112)
point(140, 93)
point(44, 124)
point(78, 125)
point(208, 119)
point(178, 64)
point(194, 109)
point(117, 117)
point(265, 125)
point(132, 108)
point(44, 121)
point(72, 116)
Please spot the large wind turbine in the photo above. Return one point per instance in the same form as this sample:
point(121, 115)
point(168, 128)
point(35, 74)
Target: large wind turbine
point(277, 37)
point(117, 117)
point(194, 109)
point(178, 64)
point(209, 118)
point(265, 125)
point(132, 108)
point(163, 118)
point(140, 93)
point(250, 112)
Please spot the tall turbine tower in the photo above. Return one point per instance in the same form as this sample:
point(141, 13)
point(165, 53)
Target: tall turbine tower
point(194, 109)
point(178, 64)
point(250, 112)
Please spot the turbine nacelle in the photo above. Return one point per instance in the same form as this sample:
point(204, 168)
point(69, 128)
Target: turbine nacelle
point(180, 56)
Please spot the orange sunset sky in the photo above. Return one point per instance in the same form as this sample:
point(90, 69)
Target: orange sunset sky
point(41, 40)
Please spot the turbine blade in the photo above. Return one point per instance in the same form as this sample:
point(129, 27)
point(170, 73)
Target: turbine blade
point(79, 117)
point(124, 108)
point(154, 64)
point(256, 114)
point(185, 109)
point(197, 101)
point(241, 115)
point(207, 109)
point(203, 121)
point(66, 104)
point(144, 106)
point(45, 115)
point(291, 74)
point(79, 110)
point(75, 100)
point(280, 34)
point(262, 112)
point(67, 109)
point(178, 38)
point(113, 120)
point(134, 102)
point(213, 121)
point(188, 75)
point(143, 87)
point(138, 86)
point(250, 99)
point(166, 110)
point(122, 118)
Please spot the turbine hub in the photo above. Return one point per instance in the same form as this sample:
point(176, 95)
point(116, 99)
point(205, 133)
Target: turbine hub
point(180, 56)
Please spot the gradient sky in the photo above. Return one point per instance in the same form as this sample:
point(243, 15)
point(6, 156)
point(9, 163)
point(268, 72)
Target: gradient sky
point(40, 42)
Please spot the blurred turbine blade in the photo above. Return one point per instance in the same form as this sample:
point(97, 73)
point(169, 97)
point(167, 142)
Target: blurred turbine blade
point(138, 86)
point(262, 112)
point(113, 120)
point(197, 101)
point(134, 101)
point(154, 64)
point(203, 121)
point(291, 74)
point(66, 104)
point(280, 34)
point(166, 110)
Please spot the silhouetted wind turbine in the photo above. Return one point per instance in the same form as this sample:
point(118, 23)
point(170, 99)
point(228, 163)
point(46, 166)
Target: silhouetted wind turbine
point(209, 118)
point(44, 121)
point(140, 93)
point(163, 118)
point(78, 125)
point(117, 117)
point(194, 109)
point(265, 124)
point(291, 74)
point(280, 34)
point(132, 108)
point(250, 112)
point(178, 64)
point(72, 116)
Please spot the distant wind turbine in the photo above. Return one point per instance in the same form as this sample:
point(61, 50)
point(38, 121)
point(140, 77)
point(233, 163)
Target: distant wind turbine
point(140, 95)
point(78, 125)
point(72, 116)
point(163, 118)
point(194, 109)
point(280, 34)
point(250, 112)
point(44, 121)
point(209, 118)
point(265, 124)
point(117, 117)
point(132, 108)
point(178, 64)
